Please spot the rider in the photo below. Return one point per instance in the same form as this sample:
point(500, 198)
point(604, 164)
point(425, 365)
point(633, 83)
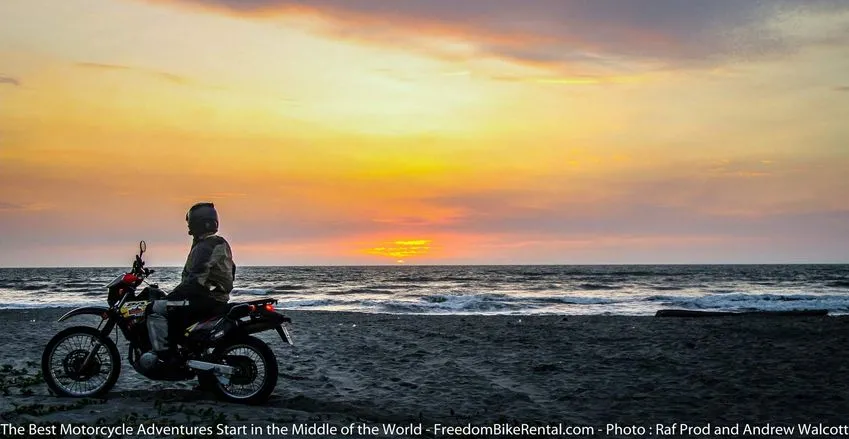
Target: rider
point(205, 286)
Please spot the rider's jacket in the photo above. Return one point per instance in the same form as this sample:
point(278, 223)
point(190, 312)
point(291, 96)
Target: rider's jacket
point(209, 271)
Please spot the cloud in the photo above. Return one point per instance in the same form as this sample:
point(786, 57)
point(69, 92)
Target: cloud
point(491, 214)
point(842, 88)
point(605, 35)
point(564, 80)
point(177, 79)
point(10, 206)
point(15, 207)
point(10, 81)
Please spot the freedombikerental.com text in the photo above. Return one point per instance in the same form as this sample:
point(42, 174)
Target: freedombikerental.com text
point(360, 429)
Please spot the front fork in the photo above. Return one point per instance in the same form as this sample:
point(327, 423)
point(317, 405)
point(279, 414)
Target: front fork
point(104, 332)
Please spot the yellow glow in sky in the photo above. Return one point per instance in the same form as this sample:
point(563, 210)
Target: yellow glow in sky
point(328, 132)
point(403, 249)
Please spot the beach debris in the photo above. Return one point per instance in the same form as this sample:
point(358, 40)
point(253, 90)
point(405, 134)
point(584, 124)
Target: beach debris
point(694, 313)
point(11, 377)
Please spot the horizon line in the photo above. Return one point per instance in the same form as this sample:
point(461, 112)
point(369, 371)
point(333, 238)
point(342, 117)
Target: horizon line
point(455, 265)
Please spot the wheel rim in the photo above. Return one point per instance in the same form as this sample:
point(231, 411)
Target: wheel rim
point(250, 371)
point(67, 360)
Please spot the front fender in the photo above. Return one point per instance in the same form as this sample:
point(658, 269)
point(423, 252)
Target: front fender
point(88, 310)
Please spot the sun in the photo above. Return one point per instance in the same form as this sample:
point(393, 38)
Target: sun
point(402, 250)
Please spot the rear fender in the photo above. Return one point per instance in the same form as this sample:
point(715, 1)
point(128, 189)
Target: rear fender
point(255, 326)
point(229, 328)
point(100, 311)
point(268, 320)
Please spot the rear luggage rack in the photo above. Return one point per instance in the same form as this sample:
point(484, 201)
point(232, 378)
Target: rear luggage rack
point(261, 301)
point(252, 308)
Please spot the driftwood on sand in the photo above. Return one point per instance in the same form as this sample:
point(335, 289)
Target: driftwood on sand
point(693, 313)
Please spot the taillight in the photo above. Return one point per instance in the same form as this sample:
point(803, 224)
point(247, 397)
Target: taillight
point(269, 307)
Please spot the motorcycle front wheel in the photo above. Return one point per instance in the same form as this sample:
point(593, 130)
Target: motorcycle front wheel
point(255, 371)
point(80, 362)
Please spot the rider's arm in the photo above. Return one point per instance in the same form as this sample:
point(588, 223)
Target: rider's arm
point(210, 267)
point(195, 281)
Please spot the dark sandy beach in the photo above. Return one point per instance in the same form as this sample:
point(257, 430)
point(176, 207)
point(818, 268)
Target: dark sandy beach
point(457, 370)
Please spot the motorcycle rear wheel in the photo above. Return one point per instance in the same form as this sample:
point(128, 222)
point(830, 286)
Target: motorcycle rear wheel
point(256, 371)
point(64, 368)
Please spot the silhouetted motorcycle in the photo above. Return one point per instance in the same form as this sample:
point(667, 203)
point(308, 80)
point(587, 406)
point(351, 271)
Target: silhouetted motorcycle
point(82, 361)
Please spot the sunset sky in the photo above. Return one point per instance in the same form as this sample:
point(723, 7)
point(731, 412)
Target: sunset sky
point(426, 131)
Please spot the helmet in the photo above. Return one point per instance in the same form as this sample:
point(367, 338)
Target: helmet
point(202, 218)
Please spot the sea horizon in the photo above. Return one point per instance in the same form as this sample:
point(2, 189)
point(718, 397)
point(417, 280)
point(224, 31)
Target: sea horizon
point(603, 289)
point(411, 264)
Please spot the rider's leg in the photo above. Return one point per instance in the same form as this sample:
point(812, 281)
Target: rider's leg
point(163, 329)
point(157, 326)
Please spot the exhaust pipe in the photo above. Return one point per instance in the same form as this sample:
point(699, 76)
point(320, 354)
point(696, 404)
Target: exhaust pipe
point(222, 372)
point(211, 367)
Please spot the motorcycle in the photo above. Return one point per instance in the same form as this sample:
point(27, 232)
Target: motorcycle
point(221, 352)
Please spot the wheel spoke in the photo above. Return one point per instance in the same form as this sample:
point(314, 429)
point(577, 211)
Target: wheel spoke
point(65, 365)
point(249, 364)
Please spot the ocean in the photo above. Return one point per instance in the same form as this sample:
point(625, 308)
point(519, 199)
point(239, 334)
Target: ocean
point(538, 289)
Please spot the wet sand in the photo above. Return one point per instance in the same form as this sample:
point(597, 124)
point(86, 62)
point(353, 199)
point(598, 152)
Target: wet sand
point(457, 370)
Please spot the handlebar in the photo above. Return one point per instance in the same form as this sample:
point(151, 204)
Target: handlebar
point(138, 264)
point(139, 268)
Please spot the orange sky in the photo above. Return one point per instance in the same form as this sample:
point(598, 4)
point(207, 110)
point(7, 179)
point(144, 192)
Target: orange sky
point(352, 132)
